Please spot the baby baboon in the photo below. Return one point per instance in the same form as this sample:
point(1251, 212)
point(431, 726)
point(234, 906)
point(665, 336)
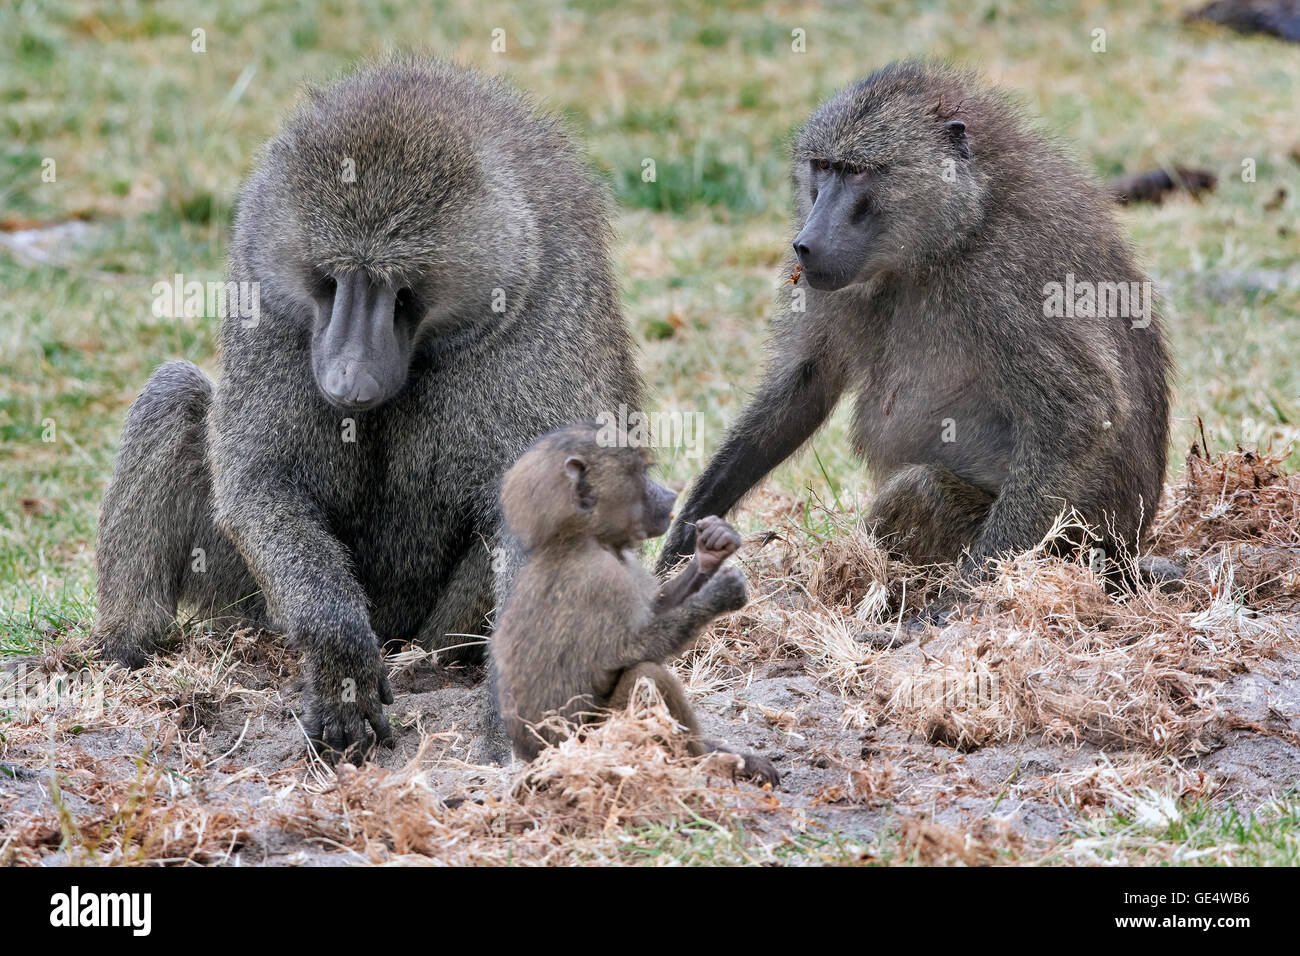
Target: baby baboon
point(585, 621)
point(969, 284)
point(430, 260)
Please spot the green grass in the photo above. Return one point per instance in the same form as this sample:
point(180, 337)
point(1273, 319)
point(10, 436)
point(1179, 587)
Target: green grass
point(1195, 834)
point(151, 140)
point(1168, 833)
point(697, 842)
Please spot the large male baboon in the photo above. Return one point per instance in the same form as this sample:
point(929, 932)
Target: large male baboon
point(431, 261)
point(962, 276)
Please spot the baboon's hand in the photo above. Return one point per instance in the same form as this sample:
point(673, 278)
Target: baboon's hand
point(680, 544)
point(759, 771)
point(346, 691)
point(726, 591)
point(715, 541)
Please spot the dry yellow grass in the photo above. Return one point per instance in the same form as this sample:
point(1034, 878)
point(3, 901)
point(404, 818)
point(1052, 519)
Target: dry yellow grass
point(1041, 657)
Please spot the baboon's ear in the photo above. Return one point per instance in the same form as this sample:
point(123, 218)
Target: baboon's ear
point(956, 131)
point(576, 469)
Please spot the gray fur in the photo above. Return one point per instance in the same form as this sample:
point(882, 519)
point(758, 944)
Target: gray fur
point(461, 189)
point(586, 621)
point(946, 321)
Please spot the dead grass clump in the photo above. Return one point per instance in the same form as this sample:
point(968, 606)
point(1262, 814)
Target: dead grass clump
point(631, 770)
point(853, 573)
point(376, 813)
point(871, 783)
point(1046, 650)
point(1129, 782)
point(849, 571)
point(1238, 496)
point(1238, 518)
point(1052, 653)
point(1257, 575)
point(575, 801)
point(935, 844)
point(144, 814)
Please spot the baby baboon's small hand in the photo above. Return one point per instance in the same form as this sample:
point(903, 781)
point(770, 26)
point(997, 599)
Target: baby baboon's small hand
point(726, 591)
point(715, 541)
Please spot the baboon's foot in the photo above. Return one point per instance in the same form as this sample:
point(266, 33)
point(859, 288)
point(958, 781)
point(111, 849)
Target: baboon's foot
point(1167, 574)
point(751, 768)
point(759, 771)
point(119, 646)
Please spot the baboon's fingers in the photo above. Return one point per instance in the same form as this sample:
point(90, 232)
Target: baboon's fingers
point(724, 540)
point(385, 691)
point(314, 733)
point(333, 736)
point(760, 771)
point(356, 739)
point(937, 613)
point(717, 536)
point(379, 723)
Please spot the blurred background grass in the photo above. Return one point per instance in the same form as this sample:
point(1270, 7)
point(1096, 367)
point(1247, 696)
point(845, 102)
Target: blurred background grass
point(151, 140)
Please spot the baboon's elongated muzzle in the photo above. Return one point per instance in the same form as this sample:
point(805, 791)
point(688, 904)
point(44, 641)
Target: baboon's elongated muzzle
point(833, 244)
point(659, 510)
point(359, 355)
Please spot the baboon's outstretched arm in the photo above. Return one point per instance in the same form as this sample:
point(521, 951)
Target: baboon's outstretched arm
point(313, 596)
point(670, 633)
point(792, 403)
point(715, 541)
point(683, 584)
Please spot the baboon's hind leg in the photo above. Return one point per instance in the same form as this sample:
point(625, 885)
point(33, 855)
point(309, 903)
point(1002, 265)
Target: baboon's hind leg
point(757, 769)
point(674, 696)
point(463, 609)
point(157, 544)
point(927, 514)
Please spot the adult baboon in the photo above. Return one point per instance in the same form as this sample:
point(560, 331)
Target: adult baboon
point(944, 251)
point(430, 257)
point(585, 621)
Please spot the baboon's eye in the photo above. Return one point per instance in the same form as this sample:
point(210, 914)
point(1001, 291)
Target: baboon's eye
point(323, 286)
point(823, 164)
point(406, 309)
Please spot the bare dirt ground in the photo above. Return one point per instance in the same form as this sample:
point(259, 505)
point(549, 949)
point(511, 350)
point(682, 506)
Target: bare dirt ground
point(996, 736)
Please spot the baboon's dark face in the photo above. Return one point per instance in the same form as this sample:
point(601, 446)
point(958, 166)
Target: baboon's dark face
point(837, 238)
point(383, 264)
point(396, 227)
point(886, 179)
point(624, 506)
point(361, 340)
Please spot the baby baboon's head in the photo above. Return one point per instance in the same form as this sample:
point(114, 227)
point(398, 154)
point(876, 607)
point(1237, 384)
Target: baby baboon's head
point(891, 173)
point(585, 481)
